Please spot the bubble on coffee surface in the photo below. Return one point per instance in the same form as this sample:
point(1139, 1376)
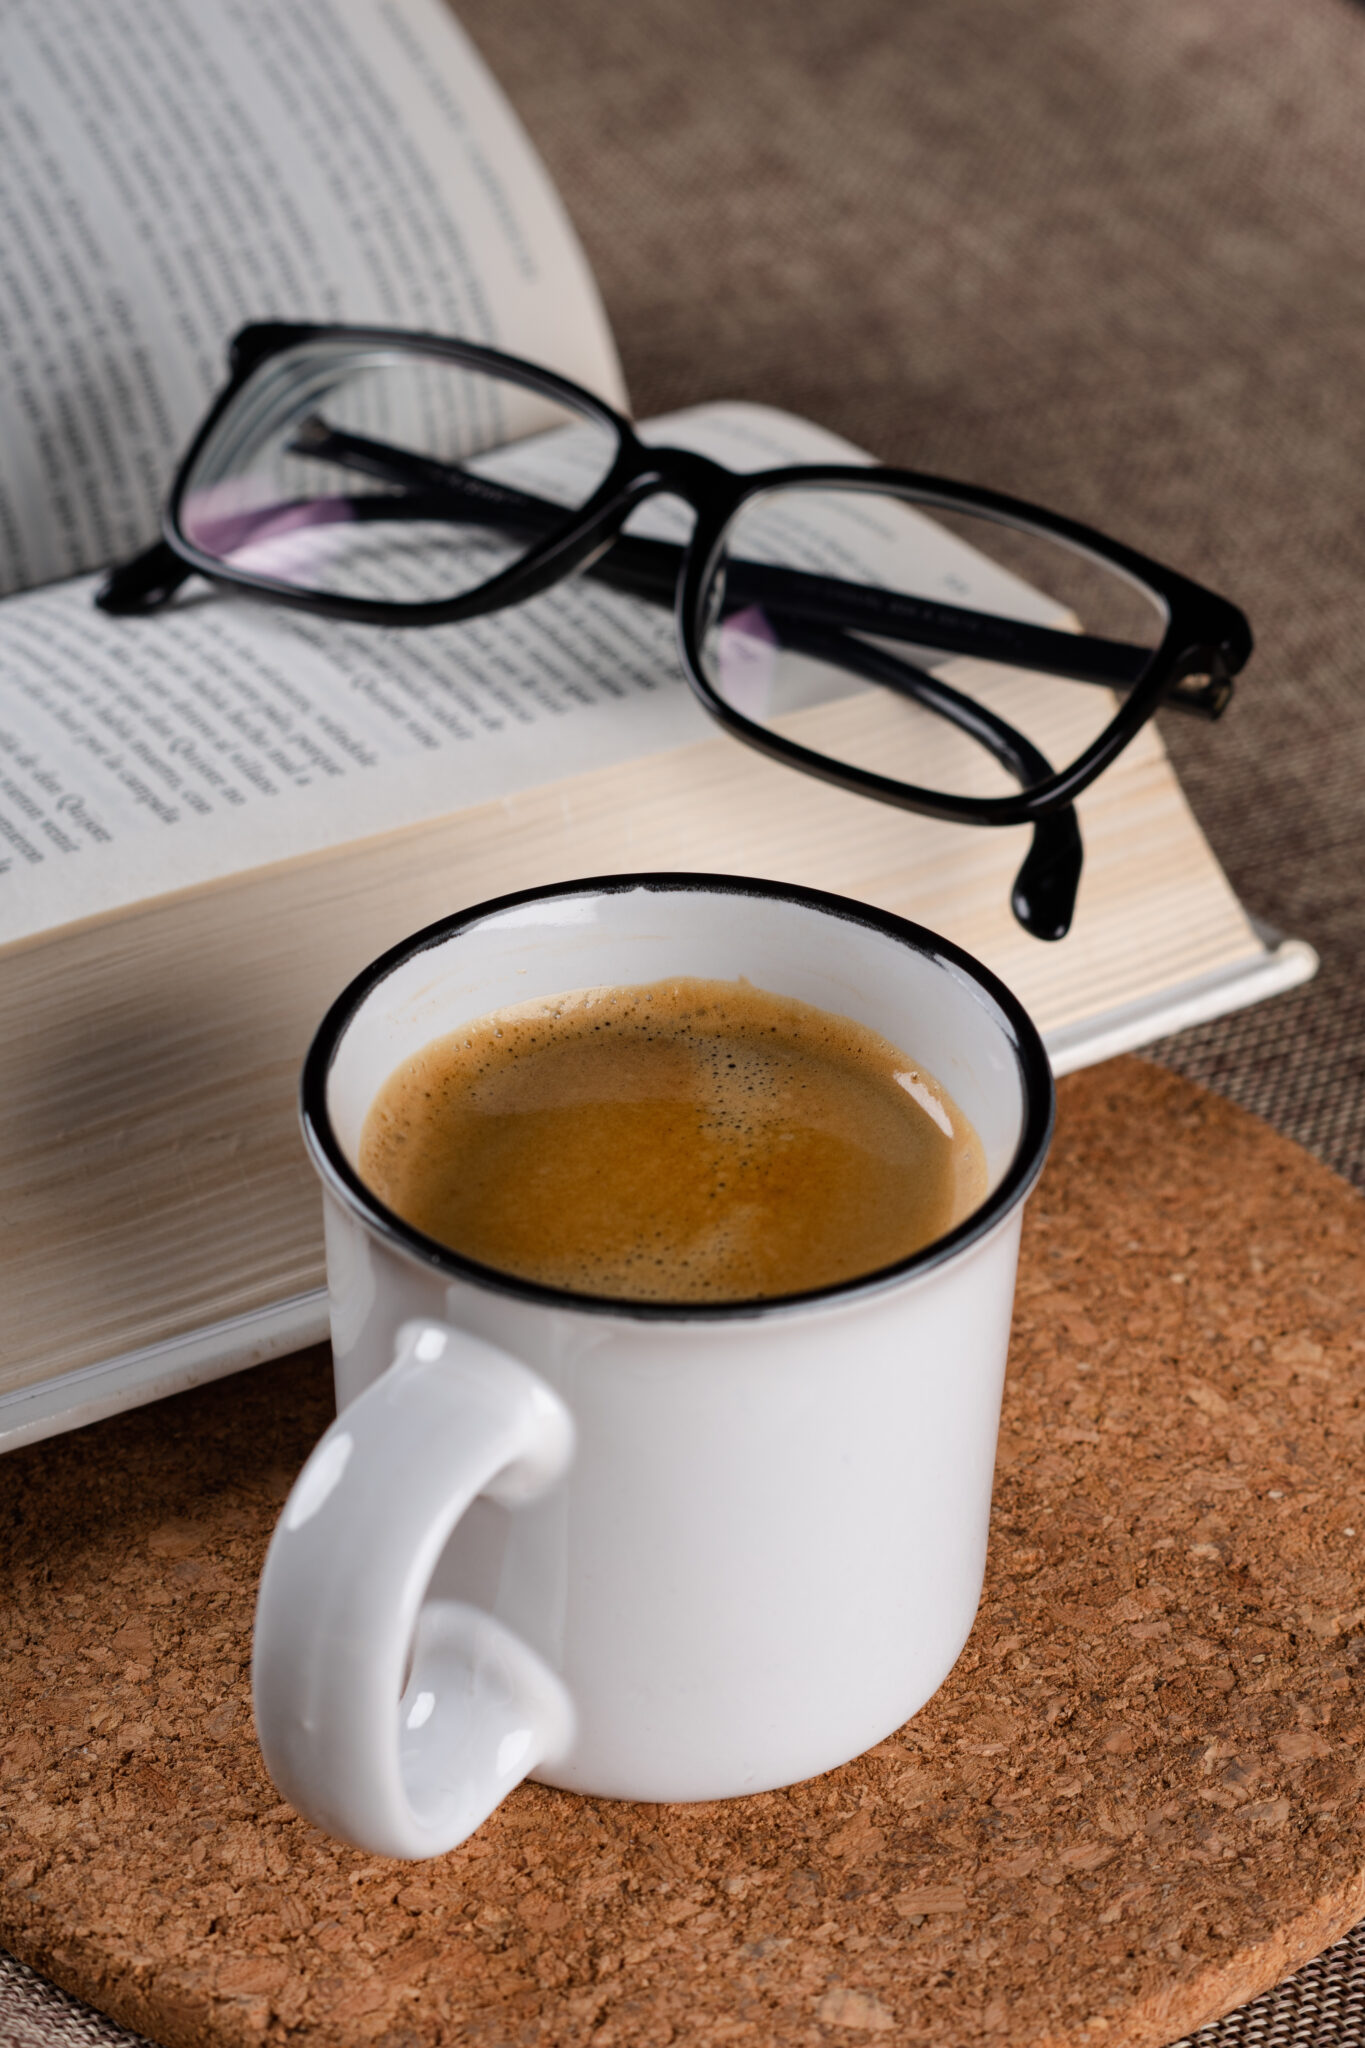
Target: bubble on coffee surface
point(684, 1141)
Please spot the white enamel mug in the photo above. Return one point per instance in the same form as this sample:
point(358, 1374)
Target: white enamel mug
point(639, 1551)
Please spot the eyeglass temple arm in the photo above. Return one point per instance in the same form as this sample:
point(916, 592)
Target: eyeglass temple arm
point(649, 569)
point(1043, 897)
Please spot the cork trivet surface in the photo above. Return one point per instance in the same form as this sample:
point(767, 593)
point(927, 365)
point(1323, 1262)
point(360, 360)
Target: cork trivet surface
point(1136, 1802)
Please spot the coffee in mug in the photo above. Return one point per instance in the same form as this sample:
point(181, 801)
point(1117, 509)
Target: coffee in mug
point(688, 1140)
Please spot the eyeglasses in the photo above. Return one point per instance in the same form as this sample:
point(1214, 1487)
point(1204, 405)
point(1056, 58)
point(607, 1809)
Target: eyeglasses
point(938, 647)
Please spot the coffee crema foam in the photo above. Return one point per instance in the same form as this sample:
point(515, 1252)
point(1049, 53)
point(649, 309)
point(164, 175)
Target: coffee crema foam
point(688, 1141)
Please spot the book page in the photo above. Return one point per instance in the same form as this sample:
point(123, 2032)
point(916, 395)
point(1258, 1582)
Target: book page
point(139, 756)
point(169, 173)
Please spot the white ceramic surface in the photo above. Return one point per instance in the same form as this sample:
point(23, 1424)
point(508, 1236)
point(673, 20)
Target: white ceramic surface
point(646, 1554)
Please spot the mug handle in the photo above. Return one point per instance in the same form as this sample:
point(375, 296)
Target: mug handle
point(398, 1724)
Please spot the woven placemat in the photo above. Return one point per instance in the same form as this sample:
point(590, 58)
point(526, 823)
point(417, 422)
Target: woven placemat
point(1136, 1801)
point(35, 2014)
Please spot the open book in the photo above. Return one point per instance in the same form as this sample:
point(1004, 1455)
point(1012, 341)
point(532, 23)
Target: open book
point(210, 819)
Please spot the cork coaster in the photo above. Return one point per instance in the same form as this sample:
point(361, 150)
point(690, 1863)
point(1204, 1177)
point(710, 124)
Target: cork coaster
point(1136, 1802)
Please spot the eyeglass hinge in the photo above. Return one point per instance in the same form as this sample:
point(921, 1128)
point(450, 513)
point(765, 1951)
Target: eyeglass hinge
point(1207, 692)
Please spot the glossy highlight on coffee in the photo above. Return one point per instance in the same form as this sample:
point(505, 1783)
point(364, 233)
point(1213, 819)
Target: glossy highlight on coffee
point(688, 1141)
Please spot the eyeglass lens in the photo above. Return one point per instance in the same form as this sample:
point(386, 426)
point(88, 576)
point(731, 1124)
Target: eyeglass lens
point(379, 473)
point(932, 646)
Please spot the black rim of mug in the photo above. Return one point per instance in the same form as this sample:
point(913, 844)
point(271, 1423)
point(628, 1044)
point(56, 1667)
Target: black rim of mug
point(1018, 1028)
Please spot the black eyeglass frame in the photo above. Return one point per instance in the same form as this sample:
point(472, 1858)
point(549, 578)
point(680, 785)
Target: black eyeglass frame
point(1206, 642)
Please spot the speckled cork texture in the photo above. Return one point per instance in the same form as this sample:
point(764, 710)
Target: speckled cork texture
point(1136, 1802)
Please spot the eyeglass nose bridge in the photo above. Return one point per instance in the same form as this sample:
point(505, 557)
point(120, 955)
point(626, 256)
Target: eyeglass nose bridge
point(683, 473)
point(642, 474)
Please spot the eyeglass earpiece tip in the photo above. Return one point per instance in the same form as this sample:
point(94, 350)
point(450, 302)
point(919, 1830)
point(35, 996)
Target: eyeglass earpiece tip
point(1043, 898)
point(144, 584)
point(1036, 921)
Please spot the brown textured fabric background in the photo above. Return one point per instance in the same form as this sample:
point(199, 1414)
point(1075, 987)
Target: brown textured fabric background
point(1107, 256)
